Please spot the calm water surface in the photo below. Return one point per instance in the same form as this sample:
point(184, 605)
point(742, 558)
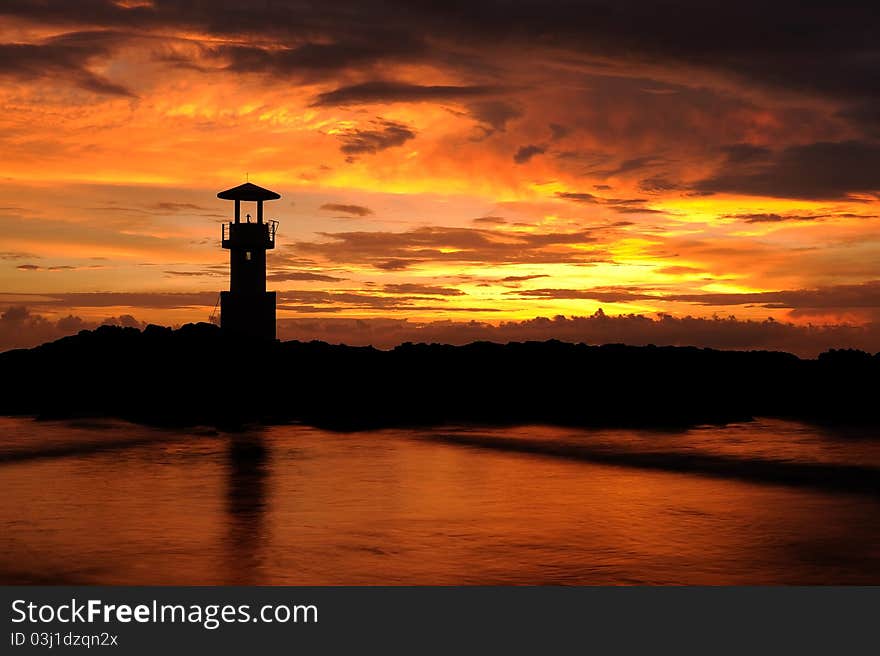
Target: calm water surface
point(108, 502)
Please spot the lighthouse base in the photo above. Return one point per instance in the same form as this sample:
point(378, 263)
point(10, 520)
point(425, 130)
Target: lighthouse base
point(252, 315)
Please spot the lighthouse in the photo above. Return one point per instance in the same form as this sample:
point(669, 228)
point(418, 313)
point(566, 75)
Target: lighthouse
point(247, 308)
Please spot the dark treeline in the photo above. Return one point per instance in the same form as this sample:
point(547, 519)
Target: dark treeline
point(197, 375)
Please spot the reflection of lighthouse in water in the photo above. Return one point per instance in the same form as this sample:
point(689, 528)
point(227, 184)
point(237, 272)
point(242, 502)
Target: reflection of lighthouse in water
point(246, 500)
point(247, 308)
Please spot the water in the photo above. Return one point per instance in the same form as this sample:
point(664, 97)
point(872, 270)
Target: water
point(111, 503)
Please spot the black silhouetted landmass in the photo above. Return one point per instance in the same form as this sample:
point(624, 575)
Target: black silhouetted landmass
point(197, 375)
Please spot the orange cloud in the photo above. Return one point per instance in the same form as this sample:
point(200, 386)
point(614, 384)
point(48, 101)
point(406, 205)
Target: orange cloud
point(443, 164)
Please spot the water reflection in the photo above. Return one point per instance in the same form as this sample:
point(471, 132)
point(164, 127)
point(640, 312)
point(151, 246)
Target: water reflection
point(292, 505)
point(246, 502)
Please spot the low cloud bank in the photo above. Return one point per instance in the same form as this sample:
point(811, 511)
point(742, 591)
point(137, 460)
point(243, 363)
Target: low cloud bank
point(633, 329)
point(19, 328)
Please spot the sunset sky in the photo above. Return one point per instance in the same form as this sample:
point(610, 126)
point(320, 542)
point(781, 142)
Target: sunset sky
point(443, 163)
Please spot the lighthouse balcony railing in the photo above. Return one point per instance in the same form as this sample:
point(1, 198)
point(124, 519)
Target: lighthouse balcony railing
point(226, 230)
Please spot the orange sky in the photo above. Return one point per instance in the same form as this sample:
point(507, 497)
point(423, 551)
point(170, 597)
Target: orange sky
point(436, 167)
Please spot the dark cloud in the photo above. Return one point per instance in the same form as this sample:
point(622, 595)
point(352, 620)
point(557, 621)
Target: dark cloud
point(192, 274)
point(601, 294)
point(619, 205)
point(490, 220)
point(396, 250)
point(826, 50)
point(56, 267)
point(163, 300)
point(584, 197)
point(760, 217)
point(494, 115)
point(319, 60)
point(283, 276)
point(331, 301)
point(17, 255)
point(163, 208)
point(580, 197)
point(385, 91)
point(353, 210)
point(428, 290)
point(21, 328)
point(726, 333)
point(285, 258)
point(66, 57)
point(635, 209)
point(173, 208)
point(384, 134)
point(558, 131)
point(743, 153)
point(523, 278)
point(816, 171)
point(396, 264)
point(865, 116)
point(658, 184)
point(835, 297)
point(525, 153)
point(628, 166)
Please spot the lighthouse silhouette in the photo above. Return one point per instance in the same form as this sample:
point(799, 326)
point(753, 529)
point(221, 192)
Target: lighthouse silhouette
point(247, 308)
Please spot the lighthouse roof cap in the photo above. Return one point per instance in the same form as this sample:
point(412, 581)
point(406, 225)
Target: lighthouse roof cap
point(248, 191)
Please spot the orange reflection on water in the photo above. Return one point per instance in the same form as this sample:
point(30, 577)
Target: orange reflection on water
point(294, 505)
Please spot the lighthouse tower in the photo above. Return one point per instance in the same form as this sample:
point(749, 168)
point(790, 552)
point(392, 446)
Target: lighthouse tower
point(247, 308)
